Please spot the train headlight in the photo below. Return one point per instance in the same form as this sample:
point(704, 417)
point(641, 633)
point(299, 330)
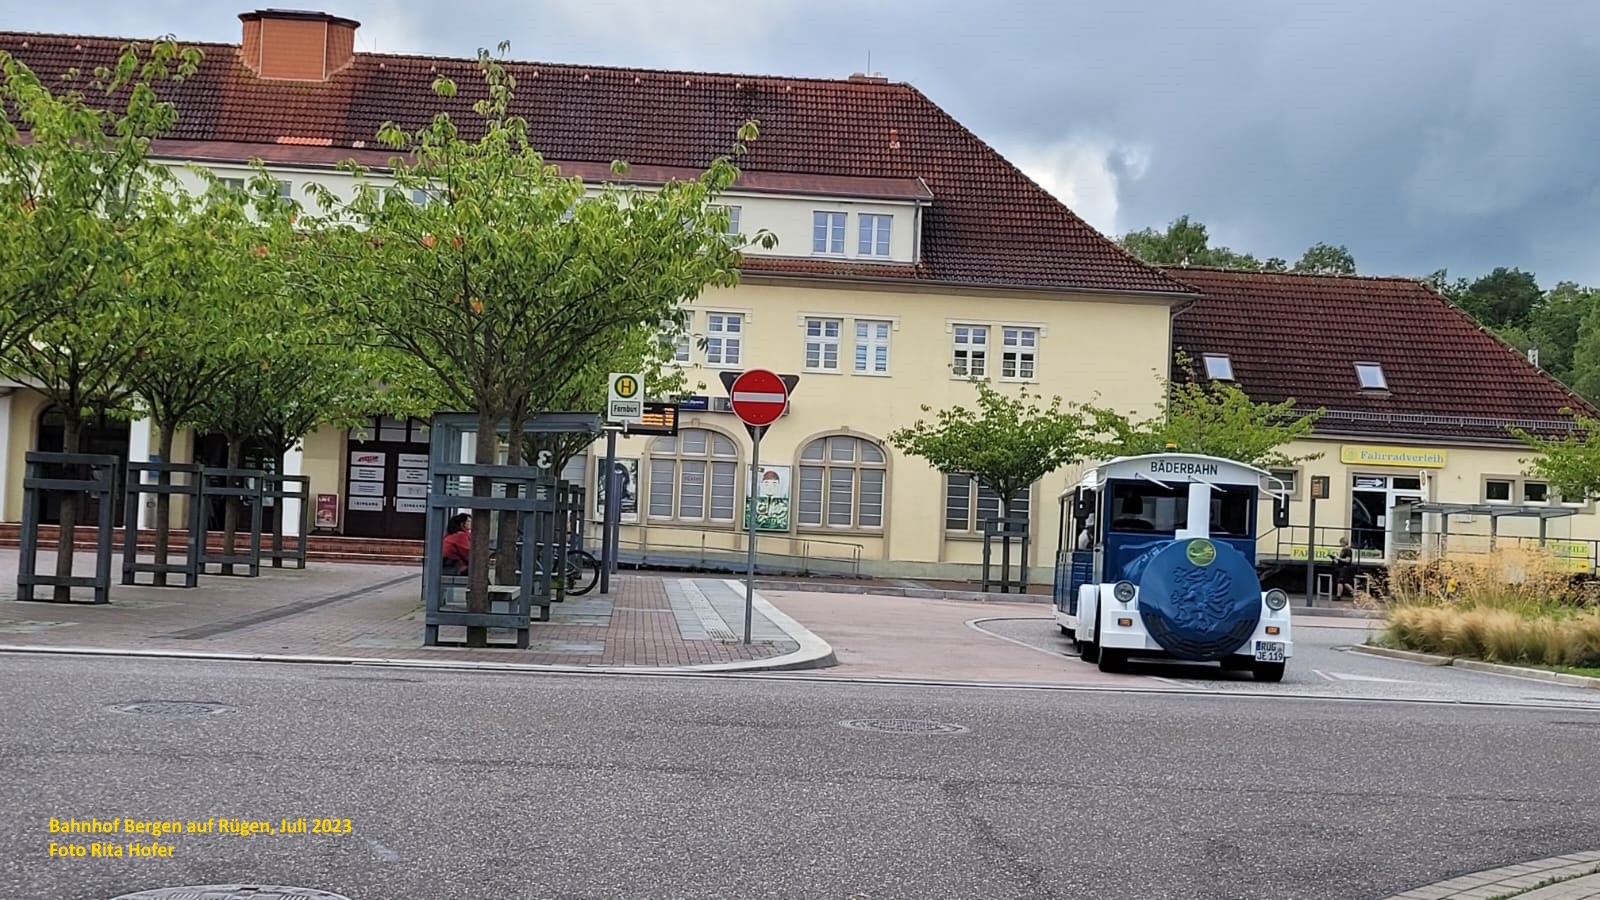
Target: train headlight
point(1123, 591)
point(1277, 599)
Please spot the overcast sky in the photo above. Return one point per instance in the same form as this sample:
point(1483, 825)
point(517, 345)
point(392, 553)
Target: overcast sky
point(1422, 135)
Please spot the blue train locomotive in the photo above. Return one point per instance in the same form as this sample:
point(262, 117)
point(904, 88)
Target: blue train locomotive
point(1158, 560)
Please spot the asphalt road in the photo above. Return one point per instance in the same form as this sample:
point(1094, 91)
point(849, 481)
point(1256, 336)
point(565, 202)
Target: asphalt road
point(466, 785)
point(1323, 666)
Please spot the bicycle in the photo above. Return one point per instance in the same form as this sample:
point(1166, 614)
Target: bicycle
point(581, 569)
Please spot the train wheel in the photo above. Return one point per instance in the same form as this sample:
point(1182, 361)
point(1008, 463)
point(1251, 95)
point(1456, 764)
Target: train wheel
point(1089, 651)
point(1113, 660)
point(1268, 671)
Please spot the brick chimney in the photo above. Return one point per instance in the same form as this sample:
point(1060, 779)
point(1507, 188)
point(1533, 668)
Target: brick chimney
point(297, 45)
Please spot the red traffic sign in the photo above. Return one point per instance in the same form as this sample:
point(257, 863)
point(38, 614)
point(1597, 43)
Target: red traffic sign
point(758, 397)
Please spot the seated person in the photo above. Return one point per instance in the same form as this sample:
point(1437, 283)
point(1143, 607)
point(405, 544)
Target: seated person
point(458, 544)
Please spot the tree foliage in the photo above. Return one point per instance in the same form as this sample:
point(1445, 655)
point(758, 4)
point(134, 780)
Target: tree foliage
point(1005, 444)
point(1186, 242)
point(1212, 419)
point(1570, 465)
point(79, 236)
point(512, 278)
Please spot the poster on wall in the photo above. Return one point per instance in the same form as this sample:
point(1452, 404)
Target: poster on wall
point(772, 500)
point(628, 475)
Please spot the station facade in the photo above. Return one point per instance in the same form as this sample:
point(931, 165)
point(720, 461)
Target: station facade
point(911, 257)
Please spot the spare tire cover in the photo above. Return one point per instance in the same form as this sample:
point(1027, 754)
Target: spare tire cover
point(1200, 600)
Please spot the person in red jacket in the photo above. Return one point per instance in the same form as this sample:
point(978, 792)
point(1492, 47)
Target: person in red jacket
point(458, 544)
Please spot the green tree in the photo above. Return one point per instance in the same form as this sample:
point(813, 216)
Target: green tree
point(1570, 465)
point(1005, 444)
point(1215, 420)
point(1325, 259)
point(199, 319)
point(75, 189)
point(1557, 325)
point(1502, 298)
point(1187, 243)
point(512, 278)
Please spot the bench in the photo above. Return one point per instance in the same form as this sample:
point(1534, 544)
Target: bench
point(501, 596)
point(1363, 584)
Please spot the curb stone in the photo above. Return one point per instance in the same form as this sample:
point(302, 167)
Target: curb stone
point(1476, 665)
point(1516, 879)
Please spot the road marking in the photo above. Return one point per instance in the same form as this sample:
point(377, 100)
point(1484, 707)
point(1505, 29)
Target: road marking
point(1343, 676)
point(384, 853)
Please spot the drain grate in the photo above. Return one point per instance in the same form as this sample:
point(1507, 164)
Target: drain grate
point(233, 892)
point(171, 708)
point(903, 726)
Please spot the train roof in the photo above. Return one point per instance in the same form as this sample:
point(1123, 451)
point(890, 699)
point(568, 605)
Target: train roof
point(1178, 468)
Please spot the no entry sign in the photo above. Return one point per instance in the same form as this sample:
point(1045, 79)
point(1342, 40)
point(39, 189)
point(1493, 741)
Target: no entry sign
point(758, 397)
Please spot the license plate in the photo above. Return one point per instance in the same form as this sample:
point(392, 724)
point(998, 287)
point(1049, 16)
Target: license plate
point(1269, 651)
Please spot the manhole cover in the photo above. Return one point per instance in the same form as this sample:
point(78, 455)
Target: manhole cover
point(233, 892)
point(171, 708)
point(903, 726)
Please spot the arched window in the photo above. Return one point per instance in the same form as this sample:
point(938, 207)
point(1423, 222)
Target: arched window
point(842, 483)
point(694, 477)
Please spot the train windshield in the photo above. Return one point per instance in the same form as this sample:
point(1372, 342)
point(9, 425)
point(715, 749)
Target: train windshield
point(1148, 508)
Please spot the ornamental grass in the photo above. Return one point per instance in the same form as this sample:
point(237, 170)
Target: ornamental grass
point(1515, 605)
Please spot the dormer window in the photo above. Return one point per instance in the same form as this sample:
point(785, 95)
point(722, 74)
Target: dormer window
point(1219, 367)
point(1370, 375)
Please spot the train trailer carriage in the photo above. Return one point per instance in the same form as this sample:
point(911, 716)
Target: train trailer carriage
point(1158, 559)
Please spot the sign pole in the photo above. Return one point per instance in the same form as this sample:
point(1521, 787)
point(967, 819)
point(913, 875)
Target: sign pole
point(750, 561)
point(1319, 491)
point(759, 397)
point(608, 550)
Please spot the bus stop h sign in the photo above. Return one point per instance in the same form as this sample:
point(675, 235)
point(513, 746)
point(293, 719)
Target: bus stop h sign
point(758, 397)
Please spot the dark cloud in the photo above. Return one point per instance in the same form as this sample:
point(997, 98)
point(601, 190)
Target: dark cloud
point(1454, 134)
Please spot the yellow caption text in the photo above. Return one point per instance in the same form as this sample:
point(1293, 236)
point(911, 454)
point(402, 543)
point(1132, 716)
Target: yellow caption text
point(136, 838)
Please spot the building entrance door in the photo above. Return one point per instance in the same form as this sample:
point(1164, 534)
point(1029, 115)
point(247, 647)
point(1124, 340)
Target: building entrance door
point(386, 483)
point(1381, 515)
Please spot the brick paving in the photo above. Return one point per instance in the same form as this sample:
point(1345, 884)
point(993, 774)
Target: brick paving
point(1575, 869)
point(374, 611)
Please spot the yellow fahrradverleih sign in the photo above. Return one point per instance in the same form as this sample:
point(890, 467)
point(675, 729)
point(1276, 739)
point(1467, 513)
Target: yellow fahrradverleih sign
point(1409, 457)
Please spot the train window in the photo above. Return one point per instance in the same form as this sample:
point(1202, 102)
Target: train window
point(1149, 508)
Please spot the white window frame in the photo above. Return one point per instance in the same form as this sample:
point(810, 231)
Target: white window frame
point(1549, 493)
point(1513, 489)
point(1015, 357)
point(874, 234)
point(676, 477)
point(822, 476)
point(969, 347)
point(866, 345)
point(1219, 367)
point(719, 339)
point(1376, 373)
point(831, 225)
point(974, 498)
point(820, 343)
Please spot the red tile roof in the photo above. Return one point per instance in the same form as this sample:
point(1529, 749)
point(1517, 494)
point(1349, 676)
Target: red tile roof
point(986, 224)
point(1300, 336)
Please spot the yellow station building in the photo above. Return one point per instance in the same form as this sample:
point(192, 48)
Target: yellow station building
point(911, 257)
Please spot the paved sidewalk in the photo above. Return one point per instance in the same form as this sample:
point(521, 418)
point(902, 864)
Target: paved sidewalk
point(374, 612)
point(1571, 873)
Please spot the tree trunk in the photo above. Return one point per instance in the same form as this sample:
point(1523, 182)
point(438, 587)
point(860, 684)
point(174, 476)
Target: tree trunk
point(280, 505)
point(232, 506)
point(478, 586)
point(506, 566)
point(163, 502)
point(71, 440)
